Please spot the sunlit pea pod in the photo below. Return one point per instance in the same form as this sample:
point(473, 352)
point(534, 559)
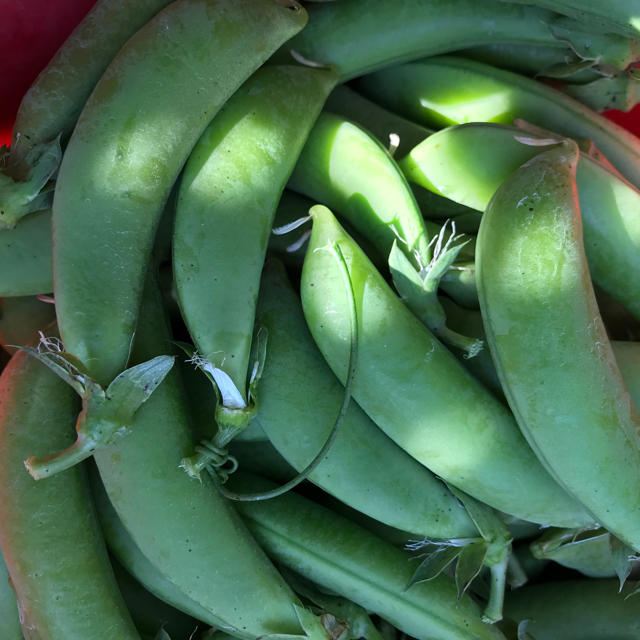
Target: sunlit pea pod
point(416, 391)
point(300, 397)
point(186, 530)
point(225, 208)
point(51, 106)
point(481, 156)
point(130, 142)
point(25, 257)
point(49, 534)
point(549, 344)
point(446, 90)
point(344, 558)
point(576, 610)
point(10, 627)
point(363, 35)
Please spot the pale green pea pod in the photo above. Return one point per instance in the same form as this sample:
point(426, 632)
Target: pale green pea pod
point(129, 145)
point(621, 92)
point(447, 90)
point(25, 257)
point(359, 36)
point(344, 558)
point(52, 104)
point(226, 204)
point(21, 319)
point(481, 156)
point(549, 344)
point(10, 628)
point(300, 399)
point(190, 534)
point(417, 392)
point(576, 610)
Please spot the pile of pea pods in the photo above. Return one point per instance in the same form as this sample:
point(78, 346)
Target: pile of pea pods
point(322, 322)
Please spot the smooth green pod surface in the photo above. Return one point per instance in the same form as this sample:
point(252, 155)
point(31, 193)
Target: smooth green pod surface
point(10, 628)
point(300, 399)
point(481, 156)
point(346, 559)
point(442, 91)
point(549, 344)
point(227, 200)
point(416, 391)
point(49, 534)
point(21, 319)
point(131, 140)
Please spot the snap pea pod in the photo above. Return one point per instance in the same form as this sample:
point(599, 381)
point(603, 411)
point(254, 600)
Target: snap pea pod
point(620, 92)
point(447, 90)
point(52, 104)
point(20, 320)
point(347, 560)
point(189, 533)
point(25, 257)
point(300, 398)
point(418, 393)
point(549, 344)
point(576, 610)
point(359, 36)
point(9, 618)
point(226, 204)
point(134, 134)
point(486, 154)
point(49, 534)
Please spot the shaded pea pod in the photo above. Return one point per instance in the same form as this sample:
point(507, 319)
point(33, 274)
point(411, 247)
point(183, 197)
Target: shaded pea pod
point(49, 534)
point(25, 257)
point(190, 534)
point(226, 204)
point(417, 392)
point(341, 557)
point(576, 610)
point(360, 36)
point(300, 398)
point(10, 627)
point(21, 319)
point(549, 344)
point(482, 156)
point(447, 90)
point(134, 134)
point(52, 104)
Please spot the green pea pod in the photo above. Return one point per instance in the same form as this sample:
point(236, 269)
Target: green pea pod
point(418, 393)
point(49, 534)
point(446, 90)
point(188, 532)
point(359, 36)
point(226, 204)
point(132, 138)
point(52, 104)
point(300, 399)
point(576, 610)
point(21, 319)
point(550, 346)
point(345, 559)
point(25, 257)
point(621, 92)
point(9, 617)
point(484, 155)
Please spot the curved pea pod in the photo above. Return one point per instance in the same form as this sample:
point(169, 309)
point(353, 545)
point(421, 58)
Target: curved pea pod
point(345, 559)
point(49, 534)
point(549, 344)
point(363, 35)
point(52, 104)
point(226, 204)
point(621, 92)
point(25, 257)
point(187, 531)
point(9, 617)
point(21, 319)
point(446, 90)
point(416, 391)
point(576, 610)
point(300, 398)
point(133, 136)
